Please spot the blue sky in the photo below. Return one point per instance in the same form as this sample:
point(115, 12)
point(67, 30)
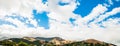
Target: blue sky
point(86, 6)
point(42, 19)
point(83, 9)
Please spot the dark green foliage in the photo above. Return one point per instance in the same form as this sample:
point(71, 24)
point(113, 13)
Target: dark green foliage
point(7, 43)
point(36, 43)
point(19, 40)
point(85, 44)
point(22, 44)
point(91, 44)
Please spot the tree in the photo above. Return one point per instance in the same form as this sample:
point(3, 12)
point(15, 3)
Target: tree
point(22, 44)
point(7, 43)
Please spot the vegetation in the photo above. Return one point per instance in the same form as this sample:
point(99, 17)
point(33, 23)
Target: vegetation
point(86, 44)
point(23, 42)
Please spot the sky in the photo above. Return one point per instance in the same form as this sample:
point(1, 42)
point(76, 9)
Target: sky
point(68, 19)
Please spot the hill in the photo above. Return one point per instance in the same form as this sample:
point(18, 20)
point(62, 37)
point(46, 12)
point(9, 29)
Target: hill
point(53, 41)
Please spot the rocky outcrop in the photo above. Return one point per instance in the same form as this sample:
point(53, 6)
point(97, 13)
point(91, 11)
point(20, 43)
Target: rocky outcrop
point(29, 38)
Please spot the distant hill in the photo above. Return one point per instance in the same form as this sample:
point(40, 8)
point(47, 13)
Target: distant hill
point(91, 42)
point(53, 41)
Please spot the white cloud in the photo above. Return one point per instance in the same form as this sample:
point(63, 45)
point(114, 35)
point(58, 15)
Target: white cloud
point(95, 12)
point(59, 21)
point(98, 10)
point(22, 8)
point(107, 14)
point(110, 2)
point(66, 1)
point(61, 13)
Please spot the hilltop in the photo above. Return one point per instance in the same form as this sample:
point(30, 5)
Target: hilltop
point(53, 41)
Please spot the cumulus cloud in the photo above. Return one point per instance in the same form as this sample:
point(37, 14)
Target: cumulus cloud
point(59, 23)
point(100, 9)
point(107, 14)
point(110, 2)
